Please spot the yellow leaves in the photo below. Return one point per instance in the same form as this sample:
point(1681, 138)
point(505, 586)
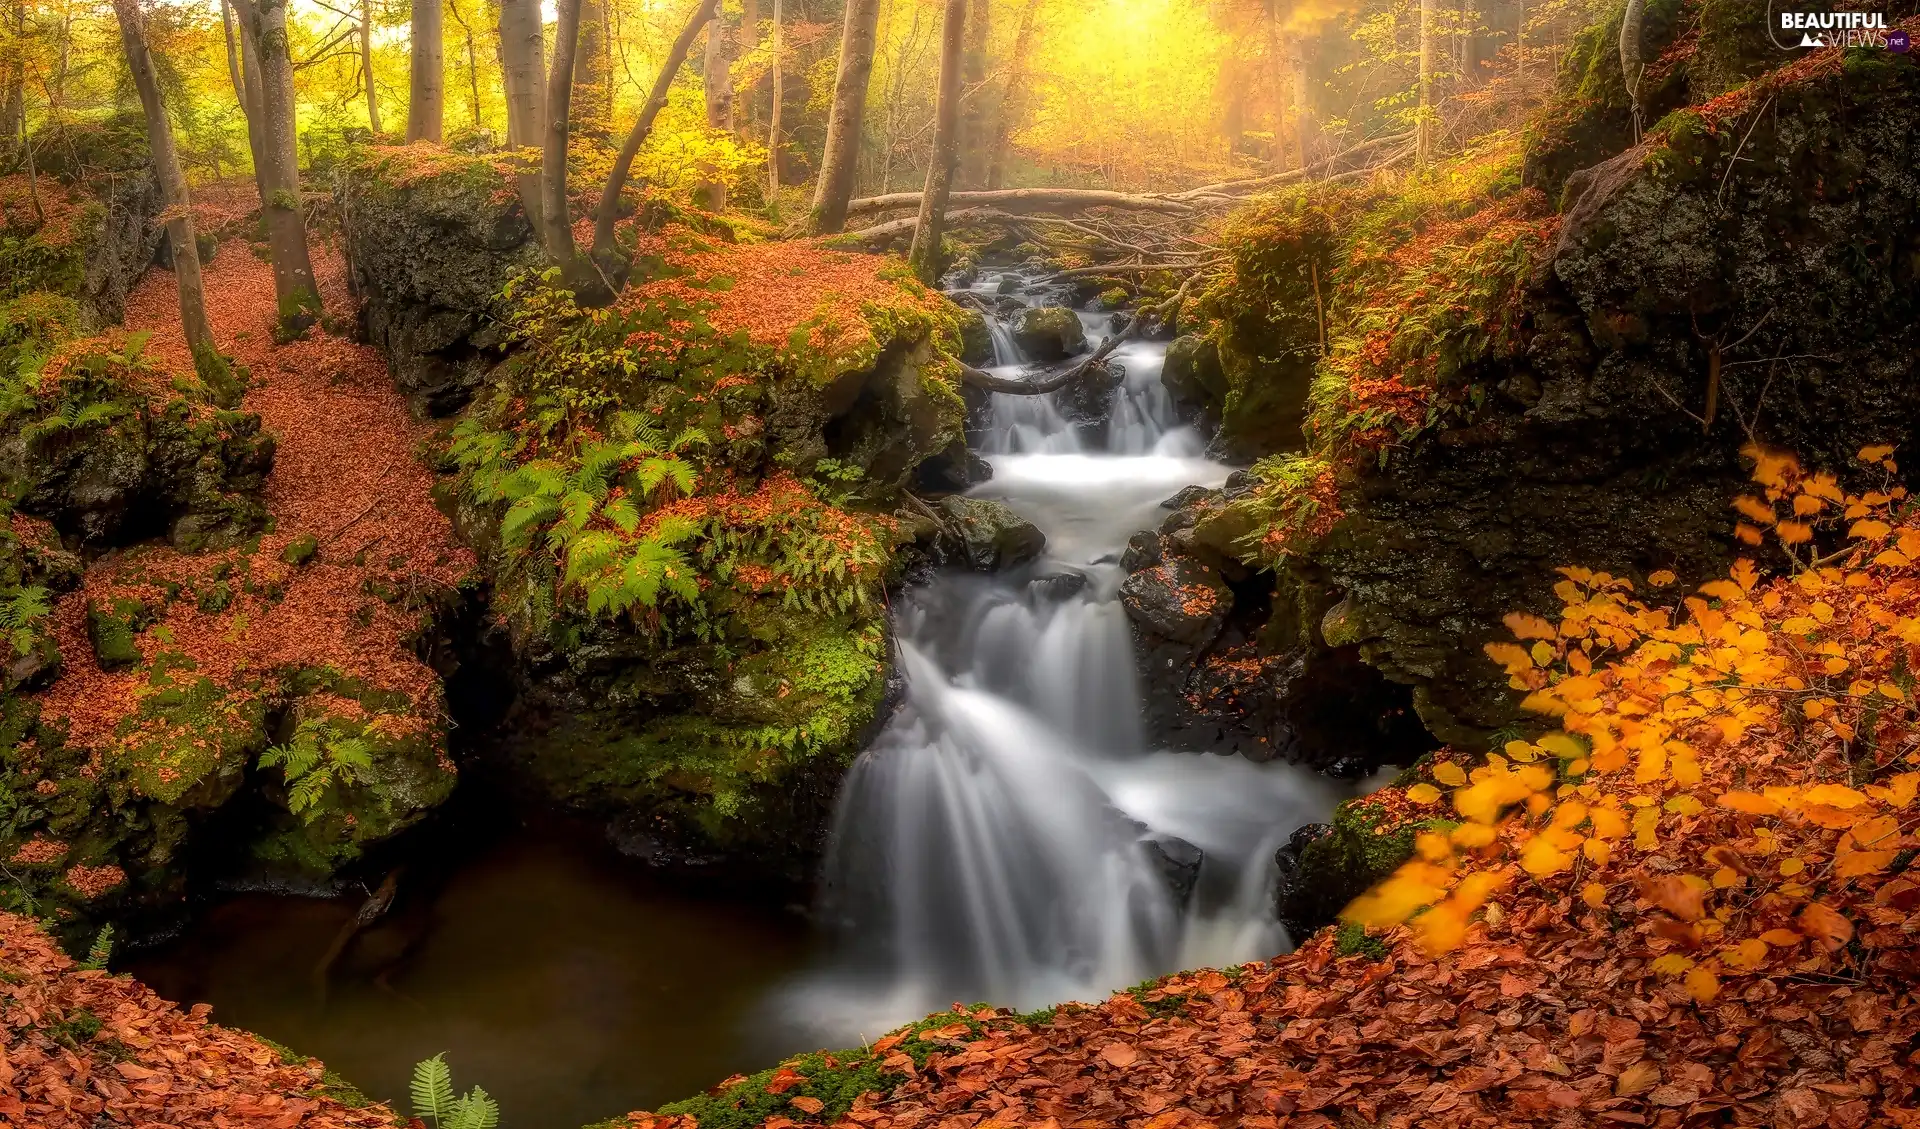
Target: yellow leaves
point(1794, 532)
point(1750, 803)
point(1899, 791)
point(1682, 895)
point(1526, 626)
point(1874, 453)
point(1423, 794)
point(1750, 953)
point(1608, 822)
point(1869, 530)
point(1702, 985)
point(1646, 822)
point(1511, 656)
point(1660, 578)
point(1791, 866)
point(1542, 654)
point(1725, 591)
point(1541, 858)
point(1413, 887)
point(1833, 796)
point(1563, 746)
point(1594, 894)
point(1450, 774)
point(1781, 938)
point(1754, 508)
point(1672, 964)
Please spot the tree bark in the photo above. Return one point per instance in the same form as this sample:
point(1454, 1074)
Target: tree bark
point(1423, 125)
point(773, 127)
point(427, 90)
point(366, 64)
point(264, 23)
point(556, 221)
point(924, 256)
point(1632, 64)
point(605, 253)
point(746, 102)
point(1012, 100)
point(173, 189)
point(13, 108)
point(473, 64)
point(717, 84)
point(523, 67)
point(245, 91)
point(973, 108)
point(846, 122)
point(591, 112)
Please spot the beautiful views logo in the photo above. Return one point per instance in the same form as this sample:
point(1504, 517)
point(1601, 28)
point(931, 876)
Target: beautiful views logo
point(1835, 29)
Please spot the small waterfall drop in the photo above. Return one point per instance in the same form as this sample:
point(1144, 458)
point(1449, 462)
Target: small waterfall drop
point(1011, 836)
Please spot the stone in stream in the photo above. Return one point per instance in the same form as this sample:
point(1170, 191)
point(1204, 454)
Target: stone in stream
point(1178, 862)
point(1049, 333)
point(986, 535)
point(1180, 599)
point(976, 339)
point(1059, 586)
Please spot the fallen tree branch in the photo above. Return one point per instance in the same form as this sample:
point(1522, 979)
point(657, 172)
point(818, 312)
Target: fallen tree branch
point(1230, 187)
point(1130, 268)
point(894, 229)
point(1033, 199)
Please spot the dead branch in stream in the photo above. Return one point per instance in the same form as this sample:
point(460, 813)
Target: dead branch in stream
point(1029, 199)
point(1165, 311)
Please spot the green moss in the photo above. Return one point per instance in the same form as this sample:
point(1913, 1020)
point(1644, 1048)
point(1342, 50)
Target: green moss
point(111, 630)
point(300, 550)
point(1354, 940)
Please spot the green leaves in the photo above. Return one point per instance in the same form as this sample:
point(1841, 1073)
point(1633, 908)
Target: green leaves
point(433, 1100)
point(315, 761)
point(21, 613)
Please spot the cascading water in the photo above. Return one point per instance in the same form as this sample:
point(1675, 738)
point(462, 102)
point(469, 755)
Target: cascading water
point(1011, 837)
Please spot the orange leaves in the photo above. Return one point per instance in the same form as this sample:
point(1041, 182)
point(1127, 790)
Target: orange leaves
point(1825, 926)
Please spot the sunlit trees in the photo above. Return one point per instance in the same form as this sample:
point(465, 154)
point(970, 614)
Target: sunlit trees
point(427, 88)
point(773, 128)
point(173, 188)
point(264, 24)
point(845, 126)
point(924, 256)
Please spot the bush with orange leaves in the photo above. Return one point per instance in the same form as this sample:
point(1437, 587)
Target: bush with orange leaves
point(1739, 770)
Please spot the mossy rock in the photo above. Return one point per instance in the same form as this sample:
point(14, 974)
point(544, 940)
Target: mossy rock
point(111, 630)
point(1049, 333)
point(1325, 866)
point(300, 550)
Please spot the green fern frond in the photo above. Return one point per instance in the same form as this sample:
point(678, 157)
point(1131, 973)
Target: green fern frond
point(432, 1089)
point(475, 1111)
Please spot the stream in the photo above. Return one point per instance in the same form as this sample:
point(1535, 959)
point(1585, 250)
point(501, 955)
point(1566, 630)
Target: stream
point(1010, 837)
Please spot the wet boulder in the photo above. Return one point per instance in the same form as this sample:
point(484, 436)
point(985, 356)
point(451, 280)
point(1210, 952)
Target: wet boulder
point(1180, 599)
point(1089, 400)
point(1049, 333)
point(1324, 866)
point(986, 535)
point(976, 340)
point(1193, 378)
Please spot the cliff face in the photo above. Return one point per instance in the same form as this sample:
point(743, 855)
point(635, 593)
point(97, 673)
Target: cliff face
point(1511, 387)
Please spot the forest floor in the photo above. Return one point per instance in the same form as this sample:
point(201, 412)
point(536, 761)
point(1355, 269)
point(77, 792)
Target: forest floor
point(80, 1048)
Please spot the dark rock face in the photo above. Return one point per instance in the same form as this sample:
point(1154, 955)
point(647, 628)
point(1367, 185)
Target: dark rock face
point(1193, 378)
point(1049, 333)
point(1088, 401)
point(976, 340)
point(1324, 866)
point(985, 535)
point(1178, 862)
point(430, 256)
point(1179, 600)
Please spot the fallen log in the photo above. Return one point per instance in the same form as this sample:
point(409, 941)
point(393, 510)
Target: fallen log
point(1232, 187)
point(1030, 199)
point(894, 229)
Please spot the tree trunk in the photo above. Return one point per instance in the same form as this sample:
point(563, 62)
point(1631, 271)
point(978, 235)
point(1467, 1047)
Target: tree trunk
point(746, 102)
point(1632, 64)
point(846, 122)
point(556, 222)
point(973, 109)
point(523, 68)
point(1302, 104)
point(605, 253)
point(473, 64)
point(1423, 138)
point(173, 192)
point(245, 91)
point(924, 257)
point(773, 127)
point(427, 91)
point(591, 112)
point(264, 23)
point(717, 84)
point(366, 64)
point(13, 108)
point(1013, 101)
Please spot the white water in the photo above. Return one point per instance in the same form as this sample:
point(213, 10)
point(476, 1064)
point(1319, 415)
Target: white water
point(992, 844)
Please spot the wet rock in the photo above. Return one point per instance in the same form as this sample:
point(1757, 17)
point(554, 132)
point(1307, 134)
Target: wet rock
point(987, 536)
point(1179, 599)
point(1193, 378)
point(1058, 586)
point(1178, 861)
point(1187, 496)
point(1143, 551)
point(1049, 333)
point(1089, 400)
point(976, 340)
point(1008, 284)
point(1324, 866)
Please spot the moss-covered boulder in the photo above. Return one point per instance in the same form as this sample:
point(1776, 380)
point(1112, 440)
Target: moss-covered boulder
point(985, 535)
point(84, 227)
point(1049, 333)
point(1324, 866)
point(1509, 387)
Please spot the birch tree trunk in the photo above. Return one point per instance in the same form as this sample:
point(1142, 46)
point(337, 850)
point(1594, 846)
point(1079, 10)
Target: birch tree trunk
point(1013, 100)
point(973, 109)
point(773, 128)
point(717, 85)
point(523, 68)
point(173, 198)
point(746, 102)
point(264, 23)
point(245, 90)
point(924, 257)
point(1423, 137)
point(427, 90)
point(847, 120)
point(366, 64)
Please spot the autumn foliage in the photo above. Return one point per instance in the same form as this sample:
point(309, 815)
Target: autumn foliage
point(1735, 774)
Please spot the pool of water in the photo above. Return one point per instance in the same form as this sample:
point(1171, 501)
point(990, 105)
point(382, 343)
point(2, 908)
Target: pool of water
point(564, 979)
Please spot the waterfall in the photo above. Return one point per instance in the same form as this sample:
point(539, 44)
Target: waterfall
point(1011, 836)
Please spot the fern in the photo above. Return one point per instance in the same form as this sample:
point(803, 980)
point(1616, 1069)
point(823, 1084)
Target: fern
point(21, 614)
point(101, 951)
point(433, 1100)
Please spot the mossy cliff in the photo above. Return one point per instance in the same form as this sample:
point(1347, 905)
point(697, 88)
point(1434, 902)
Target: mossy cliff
point(1513, 382)
point(685, 503)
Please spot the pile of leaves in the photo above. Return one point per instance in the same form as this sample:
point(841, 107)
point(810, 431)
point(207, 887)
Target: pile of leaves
point(80, 1048)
